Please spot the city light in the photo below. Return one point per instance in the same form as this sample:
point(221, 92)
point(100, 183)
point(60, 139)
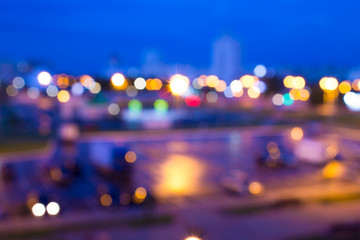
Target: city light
point(135, 106)
point(33, 93)
point(248, 81)
point(130, 157)
point(179, 84)
point(11, 91)
point(211, 81)
point(278, 99)
point(333, 169)
point(198, 83)
point(211, 97)
point(328, 84)
point(296, 133)
point(63, 96)
point(77, 89)
point(253, 92)
point(106, 200)
point(86, 81)
point(113, 109)
point(220, 86)
point(260, 71)
point(344, 87)
point(139, 195)
point(131, 91)
point(38, 210)
point(288, 99)
point(161, 105)
point(52, 91)
point(236, 86)
point(117, 80)
point(140, 83)
point(53, 208)
point(352, 101)
point(298, 82)
point(95, 88)
point(44, 78)
point(255, 188)
point(153, 84)
point(18, 82)
point(192, 101)
point(192, 238)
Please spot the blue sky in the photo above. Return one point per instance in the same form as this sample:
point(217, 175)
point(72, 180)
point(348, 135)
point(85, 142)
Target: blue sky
point(78, 36)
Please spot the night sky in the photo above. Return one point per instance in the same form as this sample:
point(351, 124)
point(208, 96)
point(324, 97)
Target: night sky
point(78, 36)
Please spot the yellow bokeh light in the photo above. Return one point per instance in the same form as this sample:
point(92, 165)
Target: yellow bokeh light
point(211, 81)
point(155, 84)
point(95, 88)
point(328, 84)
point(86, 81)
point(304, 95)
point(296, 133)
point(179, 175)
point(331, 151)
point(117, 80)
point(179, 84)
point(256, 188)
point(356, 84)
point(130, 157)
point(105, 200)
point(139, 195)
point(298, 82)
point(253, 92)
point(192, 238)
point(295, 94)
point(63, 96)
point(248, 81)
point(62, 81)
point(345, 87)
point(220, 86)
point(289, 81)
point(333, 169)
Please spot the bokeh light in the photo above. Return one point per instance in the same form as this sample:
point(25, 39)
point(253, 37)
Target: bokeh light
point(38, 210)
point(63, 96)
point(117, 80)
point(179, 84)
point(53, 208)
point(255, 188)
point(113, 109)
point(18, 82)
point(161, 105)
point(44, 78)
point(140, 83)
point(296, 133)
point(278, 99)
point(135, 105)
point(130, 157)
point(260, 71)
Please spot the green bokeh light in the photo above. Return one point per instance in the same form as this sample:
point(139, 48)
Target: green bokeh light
point(135, 105)
point(161, 105)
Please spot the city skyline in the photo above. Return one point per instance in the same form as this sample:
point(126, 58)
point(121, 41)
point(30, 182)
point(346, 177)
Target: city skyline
point(80, 37)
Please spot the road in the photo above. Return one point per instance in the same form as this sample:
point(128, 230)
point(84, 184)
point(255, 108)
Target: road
point(198, 160)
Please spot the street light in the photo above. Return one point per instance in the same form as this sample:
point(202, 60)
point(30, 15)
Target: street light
point(179, 84)
point(330, 87)
point(192, 238)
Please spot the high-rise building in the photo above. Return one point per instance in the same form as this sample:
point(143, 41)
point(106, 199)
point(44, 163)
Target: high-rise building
point(226, 61)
